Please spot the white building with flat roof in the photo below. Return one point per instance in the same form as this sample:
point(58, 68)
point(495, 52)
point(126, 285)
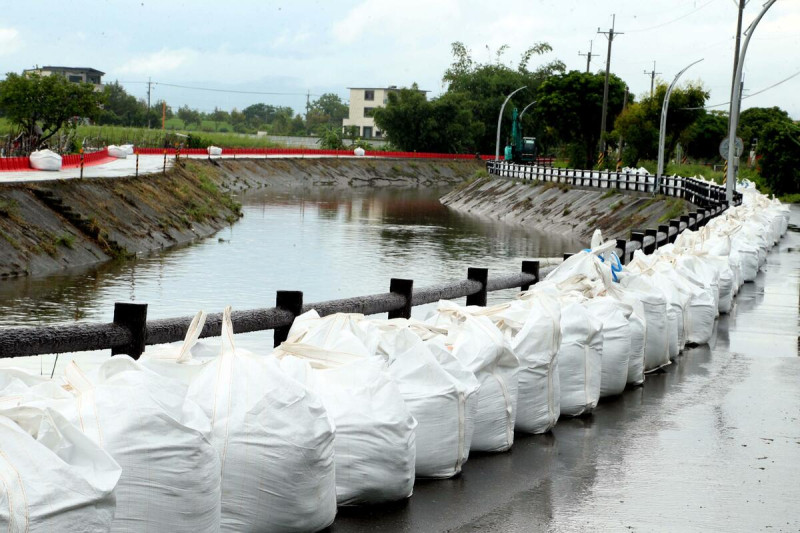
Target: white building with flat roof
point(363, 102)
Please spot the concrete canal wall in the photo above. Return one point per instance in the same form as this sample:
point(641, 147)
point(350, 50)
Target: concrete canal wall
point(562, 208)
point(54, 225)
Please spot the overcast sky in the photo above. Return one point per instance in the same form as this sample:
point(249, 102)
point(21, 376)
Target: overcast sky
point(327, 46)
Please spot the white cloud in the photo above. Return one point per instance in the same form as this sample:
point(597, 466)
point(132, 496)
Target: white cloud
point(160, 62)
point(10, 41)
point(391, 22)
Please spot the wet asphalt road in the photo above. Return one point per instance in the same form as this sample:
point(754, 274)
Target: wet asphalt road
point(711, 444)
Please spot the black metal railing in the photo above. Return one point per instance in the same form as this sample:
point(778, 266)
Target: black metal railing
point(130, 330)
point(700, 193)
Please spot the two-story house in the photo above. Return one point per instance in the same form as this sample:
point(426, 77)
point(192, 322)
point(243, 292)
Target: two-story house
point(363, 102)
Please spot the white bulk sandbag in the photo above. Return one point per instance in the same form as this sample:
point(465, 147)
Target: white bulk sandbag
point(727, 282)
point(480, 346)
point(214, 150)
point(170, 471)
point(675, 302)
point(748, 256)
point(359, 152)
point(615, 317)
point(657, 327)
point(638, 326)
point(127, 148)
point(533, 327)
point(334, 330)
point(441, 397)
point(700, 310)
point(52, 476)
point(117, 151)
point(267, 428)
point(579, 357)
point(45, 160)
point(701, 272)
point(375, 449)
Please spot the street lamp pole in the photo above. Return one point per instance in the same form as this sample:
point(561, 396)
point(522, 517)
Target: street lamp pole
point(662, 132)
point(733, 123)
point(500, 120)
point(525, 109)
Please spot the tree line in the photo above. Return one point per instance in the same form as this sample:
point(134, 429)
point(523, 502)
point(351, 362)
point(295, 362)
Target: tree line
point(566, 112)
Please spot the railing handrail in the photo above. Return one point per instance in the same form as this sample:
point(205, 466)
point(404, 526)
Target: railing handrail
point(120, 335)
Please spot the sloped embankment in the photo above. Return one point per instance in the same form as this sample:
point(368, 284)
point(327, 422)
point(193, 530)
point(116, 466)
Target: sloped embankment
point(314, 173)
point(52, 225)
point(561, 208)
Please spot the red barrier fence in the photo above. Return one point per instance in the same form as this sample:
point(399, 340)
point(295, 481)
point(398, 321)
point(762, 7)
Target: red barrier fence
point(89, 159)
point(309, 152)
point(96, 158)
point(14, 164)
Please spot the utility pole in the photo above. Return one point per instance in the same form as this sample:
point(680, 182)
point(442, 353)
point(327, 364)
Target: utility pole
point(588, 56)
point(308, 102)
point(652, 75)
point(149, 83)
point(610, 36)
point(742, 3)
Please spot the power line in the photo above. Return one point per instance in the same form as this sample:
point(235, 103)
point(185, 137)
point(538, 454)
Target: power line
point(268, 93)
point(209, 89)
point(765, 89)
point(673, 20)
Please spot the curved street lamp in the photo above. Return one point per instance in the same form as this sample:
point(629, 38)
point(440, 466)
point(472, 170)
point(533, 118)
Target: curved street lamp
point(734, 114)
point(525, 109)
point(500, 120)
point(662, 132)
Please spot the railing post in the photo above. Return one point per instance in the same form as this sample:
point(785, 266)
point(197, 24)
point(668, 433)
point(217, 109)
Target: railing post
point(481, 275)
point(693, 215)
point(532, 268)
point(664, 228)
point(291, 301)
point(652, 233)
point(405, 288)
point(134, 317)
point(622, 244)
point(675, 223)
point(638, 236)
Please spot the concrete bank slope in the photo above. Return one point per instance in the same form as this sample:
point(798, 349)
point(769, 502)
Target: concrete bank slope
point(561, 208)
point(54, 225)
point(313, 173)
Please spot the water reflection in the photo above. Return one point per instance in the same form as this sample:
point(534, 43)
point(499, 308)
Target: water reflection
point(330, 244)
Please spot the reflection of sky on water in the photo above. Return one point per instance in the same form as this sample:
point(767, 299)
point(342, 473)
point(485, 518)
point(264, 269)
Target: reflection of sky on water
point(329, 245)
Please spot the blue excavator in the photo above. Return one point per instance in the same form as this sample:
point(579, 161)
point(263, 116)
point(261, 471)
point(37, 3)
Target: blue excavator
point(522, 150)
